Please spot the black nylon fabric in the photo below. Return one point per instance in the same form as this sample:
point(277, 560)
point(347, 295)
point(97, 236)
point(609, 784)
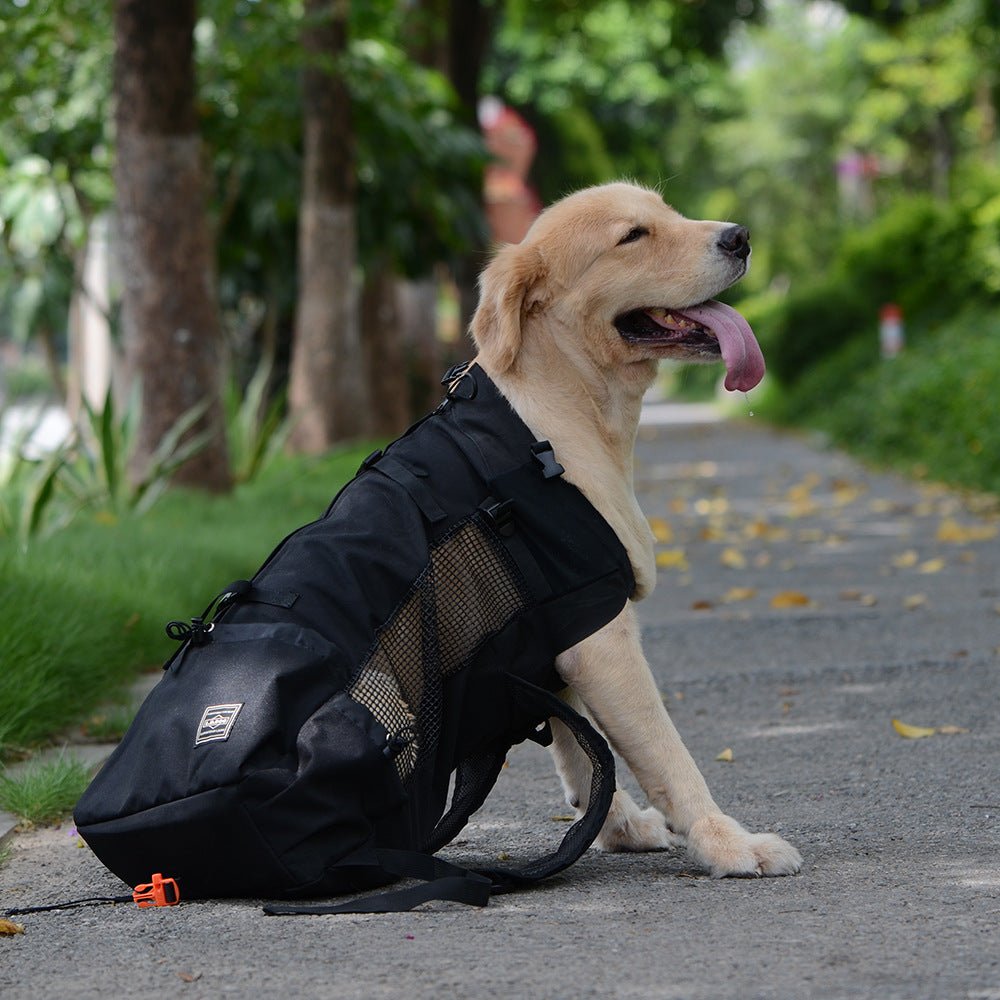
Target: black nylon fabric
point(289, 741)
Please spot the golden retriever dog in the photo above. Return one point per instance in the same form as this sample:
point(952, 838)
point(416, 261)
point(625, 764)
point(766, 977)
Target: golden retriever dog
point(571, 324)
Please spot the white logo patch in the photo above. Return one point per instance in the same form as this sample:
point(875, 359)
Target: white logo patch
point(217, 723)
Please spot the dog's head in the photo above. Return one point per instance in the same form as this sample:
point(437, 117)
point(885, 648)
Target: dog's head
point(614, 274)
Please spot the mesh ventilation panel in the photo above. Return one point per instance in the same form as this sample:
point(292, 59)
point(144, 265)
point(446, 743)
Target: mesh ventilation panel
point(470, 589)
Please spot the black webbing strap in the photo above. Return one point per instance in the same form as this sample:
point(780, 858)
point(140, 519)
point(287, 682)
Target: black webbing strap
point(440, 881)
point(602, 788)
point(476, 776)
point(474, 780)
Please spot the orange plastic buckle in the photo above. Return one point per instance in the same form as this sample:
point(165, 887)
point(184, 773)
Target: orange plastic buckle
point(160, 892)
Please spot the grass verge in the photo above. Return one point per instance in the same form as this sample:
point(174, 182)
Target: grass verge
point(82, 612)
point(44, 793)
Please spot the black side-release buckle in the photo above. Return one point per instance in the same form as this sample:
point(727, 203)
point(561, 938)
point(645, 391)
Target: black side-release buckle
point(502, 516)
point(460, 382)
point(544, 454)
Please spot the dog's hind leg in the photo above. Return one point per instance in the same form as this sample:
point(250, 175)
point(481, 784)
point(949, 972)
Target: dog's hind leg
point(627, 827)
point(610, 674)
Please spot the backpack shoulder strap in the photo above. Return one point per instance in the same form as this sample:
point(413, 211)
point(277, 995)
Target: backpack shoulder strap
point(584, 831)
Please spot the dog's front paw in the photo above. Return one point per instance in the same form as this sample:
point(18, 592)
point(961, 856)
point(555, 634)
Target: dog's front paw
point(629, 828)
point(721, 845)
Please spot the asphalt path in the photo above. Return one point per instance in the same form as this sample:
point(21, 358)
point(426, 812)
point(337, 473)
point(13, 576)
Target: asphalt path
point(803, 603)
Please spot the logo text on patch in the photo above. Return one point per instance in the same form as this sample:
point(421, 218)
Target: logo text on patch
point(216, 723)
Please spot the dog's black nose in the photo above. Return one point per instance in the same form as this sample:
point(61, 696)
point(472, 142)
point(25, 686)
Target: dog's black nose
point(736, 241)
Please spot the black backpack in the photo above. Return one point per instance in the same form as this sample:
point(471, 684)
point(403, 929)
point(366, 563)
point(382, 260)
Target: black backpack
point(304, 737)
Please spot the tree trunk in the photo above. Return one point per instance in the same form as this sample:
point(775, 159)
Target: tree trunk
point(385, 359)
point(327, 386)
point(418, 321)
point(170, 319)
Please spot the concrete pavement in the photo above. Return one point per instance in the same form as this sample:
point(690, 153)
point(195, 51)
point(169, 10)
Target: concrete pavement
point(803, 604)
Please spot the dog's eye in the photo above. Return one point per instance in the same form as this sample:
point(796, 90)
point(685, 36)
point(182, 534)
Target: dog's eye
point(636, 233)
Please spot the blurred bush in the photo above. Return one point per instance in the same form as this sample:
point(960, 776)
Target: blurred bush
point(933, 406)
point(933, 259)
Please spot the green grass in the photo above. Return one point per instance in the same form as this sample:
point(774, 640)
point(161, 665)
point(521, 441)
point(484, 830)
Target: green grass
point(44, 793)
point(82, 611)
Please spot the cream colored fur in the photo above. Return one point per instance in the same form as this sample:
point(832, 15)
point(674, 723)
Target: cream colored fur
point(546, 336)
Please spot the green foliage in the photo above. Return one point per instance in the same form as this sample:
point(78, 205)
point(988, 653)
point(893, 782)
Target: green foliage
point(622, 85)
point(54, 152)
point(46, 792)
point(91, 471)
point(931, 258)
point(83, 611)
point(933, 406)
point(420, 169)
point(256, 428)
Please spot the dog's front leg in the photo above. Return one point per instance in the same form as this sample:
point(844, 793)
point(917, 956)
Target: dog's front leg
point(627, 827)
point(609, 672)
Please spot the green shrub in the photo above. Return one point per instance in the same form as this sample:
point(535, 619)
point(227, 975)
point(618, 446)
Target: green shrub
point(932, 259)
point(933, 406)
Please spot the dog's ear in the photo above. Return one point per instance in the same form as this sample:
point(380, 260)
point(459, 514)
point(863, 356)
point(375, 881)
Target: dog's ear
point(511, 285)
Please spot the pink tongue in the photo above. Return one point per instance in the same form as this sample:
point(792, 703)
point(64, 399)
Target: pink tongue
point(740, 350)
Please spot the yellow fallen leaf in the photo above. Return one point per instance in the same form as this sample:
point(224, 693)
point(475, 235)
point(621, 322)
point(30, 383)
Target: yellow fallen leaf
point(726, 756)
point(949, 530)
point(565, 818)
point(702, 605)
point(801, 491)
point(951, 730)
point(931, 566)
point(912, 732)
point(711, 505)
point(735, 594)
point(764, 530)
point(865, 600)
point(905, 559)
point(8, 928)
point(914, 601)
point(672, 559)
point(732, 558)
point(661, 529)
point(790, 599)
point(845, 493)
